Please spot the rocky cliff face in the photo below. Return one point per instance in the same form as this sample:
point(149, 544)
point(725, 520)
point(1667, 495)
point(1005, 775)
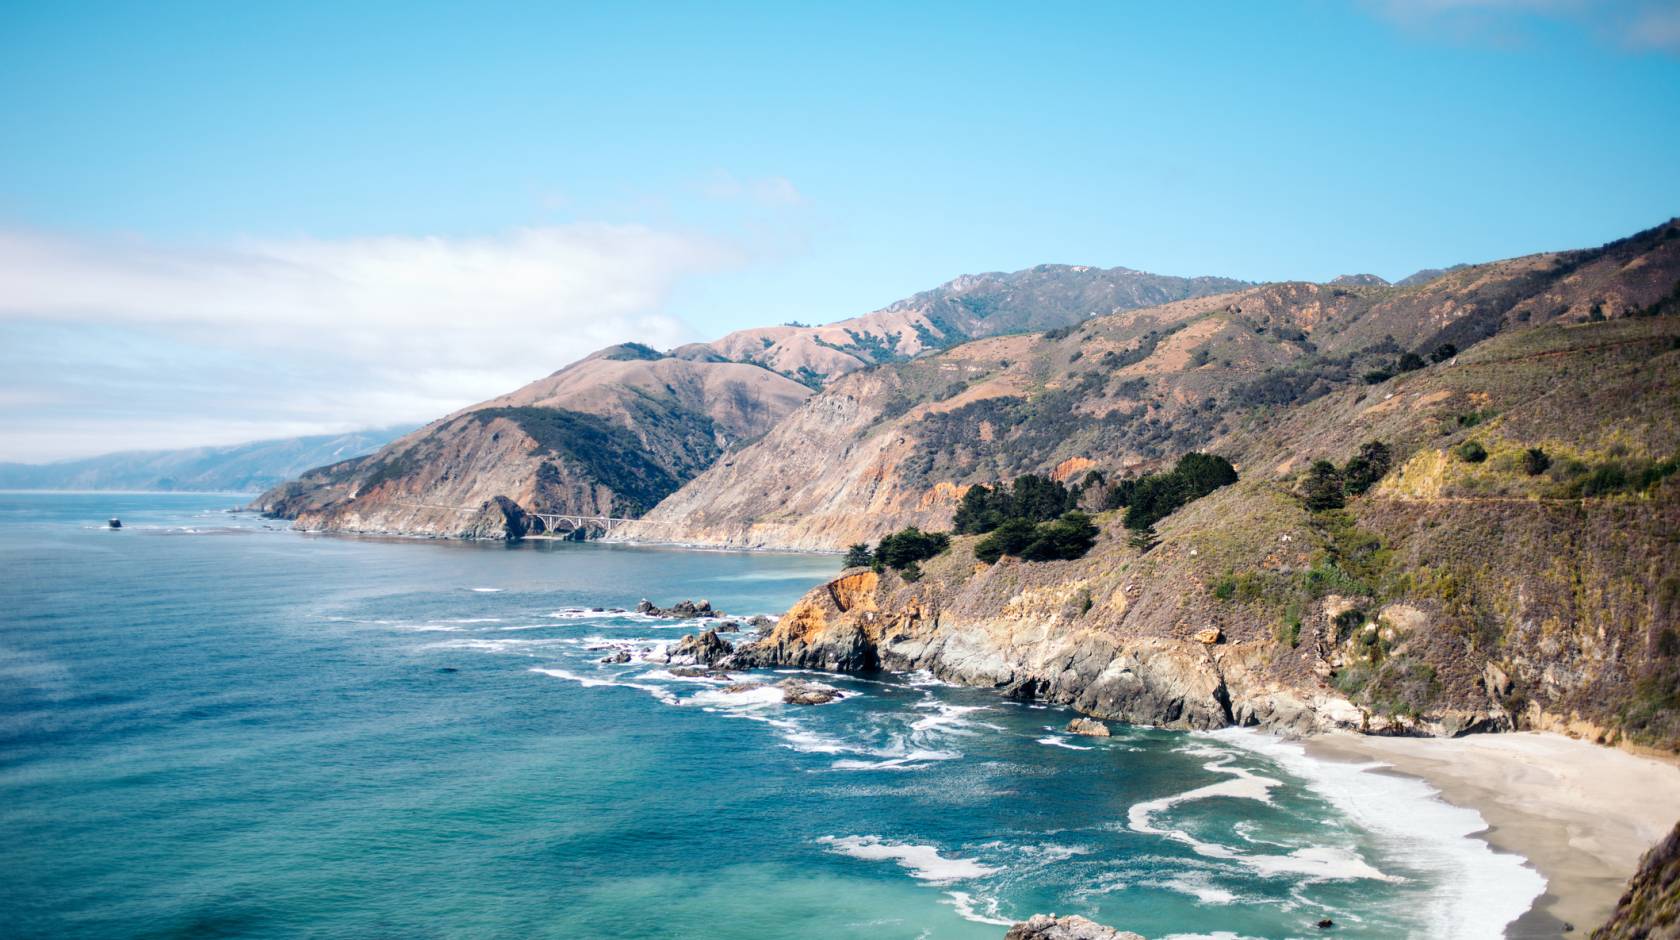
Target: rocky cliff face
point(1651, 906)
point(1242, 373)
point(608, 436)
point(1459, 593)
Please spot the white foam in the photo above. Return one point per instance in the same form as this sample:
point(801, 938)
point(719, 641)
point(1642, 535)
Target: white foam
point(760, 697)
point(1196, 885)
point(923, 862)
point(947, 718)
point(963, 903)
point(1317, 863)
point(1478, 892)
point(587, 682)
point(485, 590)
point(915, 760)
point(1054, 741)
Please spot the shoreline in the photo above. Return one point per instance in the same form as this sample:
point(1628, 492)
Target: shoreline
point(1580, 814)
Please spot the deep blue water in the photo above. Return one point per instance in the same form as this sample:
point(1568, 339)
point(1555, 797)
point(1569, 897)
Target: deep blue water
point(210, 726)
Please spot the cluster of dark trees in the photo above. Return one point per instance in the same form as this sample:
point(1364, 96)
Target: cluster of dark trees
point(1031, 497)
point(1068, 536)
point(1327, 486)
point(1034, 518)
point(902, 551)
point(1410, 362)
point(1154, 496)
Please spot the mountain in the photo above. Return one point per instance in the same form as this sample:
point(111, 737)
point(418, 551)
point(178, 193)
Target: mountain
point(973, 306)
point(236, 468)
point(615, 433)
point(1511, 565)
point(610, 435)
point(896, 445)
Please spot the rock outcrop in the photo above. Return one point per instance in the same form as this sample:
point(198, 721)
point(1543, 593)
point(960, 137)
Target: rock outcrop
point(1651, 906)
point(1072, 927)
point(1087, 727)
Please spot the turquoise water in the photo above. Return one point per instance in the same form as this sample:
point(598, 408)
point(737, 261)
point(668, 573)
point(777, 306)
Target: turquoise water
point(213, 727)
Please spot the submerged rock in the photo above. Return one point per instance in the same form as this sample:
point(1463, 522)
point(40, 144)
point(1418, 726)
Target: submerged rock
point(617, 656)
point(740, 687)
point(1089, 727)
point(1072, 927)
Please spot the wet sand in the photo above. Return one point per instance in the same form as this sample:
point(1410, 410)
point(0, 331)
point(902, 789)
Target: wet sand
point(1582, 814)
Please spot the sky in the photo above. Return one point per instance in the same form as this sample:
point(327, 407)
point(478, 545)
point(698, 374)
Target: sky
point(222, 222)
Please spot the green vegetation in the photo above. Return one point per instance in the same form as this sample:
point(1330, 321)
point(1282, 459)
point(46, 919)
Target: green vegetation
point(1032, 498)
point(1070, 536)
point(1535, 461)
point(906, 548)
point(1155, 496)
point(1578, 480)
point(1323, 487)
point(1365, 468)
point(858, 556)
point(1443, 352)
point(1471, 452)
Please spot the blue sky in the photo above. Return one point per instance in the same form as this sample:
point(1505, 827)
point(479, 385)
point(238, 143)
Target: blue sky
point(335, 210)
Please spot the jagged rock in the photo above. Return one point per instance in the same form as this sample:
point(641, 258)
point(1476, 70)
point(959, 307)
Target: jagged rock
point(688, 672)
point(761, 623)
point(729, 627)
point(1089, 727)
point(682, 610)
point(1072, 927)
point(1325, 924)
point(1209, 636)
point(701, 649)
point(740, 687)
point(619, 656)
point(802, 692)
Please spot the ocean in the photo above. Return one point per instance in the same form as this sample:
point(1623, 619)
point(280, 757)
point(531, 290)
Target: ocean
point(211, 726)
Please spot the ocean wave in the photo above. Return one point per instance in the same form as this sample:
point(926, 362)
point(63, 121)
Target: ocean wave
point(964, 904)
point(1479, 890)
point(1055, 741)
point(664, 695)
point(923, 862)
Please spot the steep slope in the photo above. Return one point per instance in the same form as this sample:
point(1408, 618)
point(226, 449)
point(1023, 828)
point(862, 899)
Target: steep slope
point(895, 445)
point(1651, 907)
point(610, 435)
point(234, 468)
point(1457, 594)
point(970, 307)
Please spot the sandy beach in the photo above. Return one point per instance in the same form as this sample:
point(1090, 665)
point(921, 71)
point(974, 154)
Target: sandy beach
point(1581, 814)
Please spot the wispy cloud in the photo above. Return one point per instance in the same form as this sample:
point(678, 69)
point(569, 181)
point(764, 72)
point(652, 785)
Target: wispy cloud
point(150, 344)
point(769, 191)
point(1640, 25)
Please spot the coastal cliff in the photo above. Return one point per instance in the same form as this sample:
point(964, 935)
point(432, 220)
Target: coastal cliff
point(1275, 372)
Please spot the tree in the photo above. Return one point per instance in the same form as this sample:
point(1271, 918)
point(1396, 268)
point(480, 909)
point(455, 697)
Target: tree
point(1365, 468)
point(1535, 461)
point(1409, 362)
point(858, 556)
point(1010, 538)
point(1157, 495)
point(1322, 488)
point(1071, 536)
point(1377, 376)
point(1472, 452)
point(1143, 540)
point(1443, 352)
point(902, 549)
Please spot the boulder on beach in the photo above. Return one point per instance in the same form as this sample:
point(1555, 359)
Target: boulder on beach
point(1089, 727)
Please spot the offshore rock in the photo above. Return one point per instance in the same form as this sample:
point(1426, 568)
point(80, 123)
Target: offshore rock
point(1088, 727)
point(1073, 927)
point(803, 692)
point(682, 610)
point(705, 649)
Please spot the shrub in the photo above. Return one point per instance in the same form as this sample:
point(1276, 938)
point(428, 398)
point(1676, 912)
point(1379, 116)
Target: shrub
point(1377, 376)
point(1472, 452)
point(858, 556)
point(1365, 468)
point(1535, 462)
point(1008, 538)
point(1158, 495)
point(1409, 362)
point(1443, 352)
point(1143, 540)
point(1322, 488)
point(902, 549)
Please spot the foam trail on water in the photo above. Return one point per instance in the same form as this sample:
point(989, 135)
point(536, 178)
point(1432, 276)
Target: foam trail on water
point(923, 862)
